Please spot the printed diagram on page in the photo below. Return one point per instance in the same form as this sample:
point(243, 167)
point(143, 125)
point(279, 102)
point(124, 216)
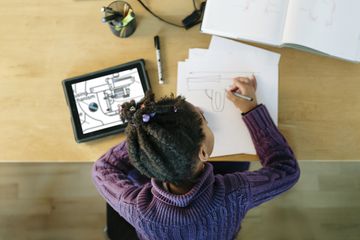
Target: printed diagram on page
point(98, 100)
point(256, 6)
point(321, 12)
point(213, 84)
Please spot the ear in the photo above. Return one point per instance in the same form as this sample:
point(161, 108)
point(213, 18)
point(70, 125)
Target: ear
point(203, 155)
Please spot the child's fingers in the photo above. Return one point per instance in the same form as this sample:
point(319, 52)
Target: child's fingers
point(241, 83)
point(242, 79)
point(248, 80)
point(231, 96)
point(253, 81)
point(232, 88)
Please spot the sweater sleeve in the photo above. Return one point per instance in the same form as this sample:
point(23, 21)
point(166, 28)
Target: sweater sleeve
point(113, 176)
point(280, 170)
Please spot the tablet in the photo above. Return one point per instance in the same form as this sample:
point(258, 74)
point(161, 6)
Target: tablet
point(94, 98)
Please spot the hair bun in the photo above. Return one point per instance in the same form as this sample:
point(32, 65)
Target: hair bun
point(128, 110)
point(132, 111)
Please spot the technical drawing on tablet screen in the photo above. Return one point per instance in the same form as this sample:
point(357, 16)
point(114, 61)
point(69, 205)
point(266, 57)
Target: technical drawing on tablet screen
point(98, 100)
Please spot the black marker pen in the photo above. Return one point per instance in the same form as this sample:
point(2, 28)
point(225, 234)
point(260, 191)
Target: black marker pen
point(158, 59)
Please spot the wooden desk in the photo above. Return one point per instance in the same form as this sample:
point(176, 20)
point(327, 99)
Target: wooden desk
point(44, 42)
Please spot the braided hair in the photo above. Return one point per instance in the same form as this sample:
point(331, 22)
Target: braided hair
point(163, 137)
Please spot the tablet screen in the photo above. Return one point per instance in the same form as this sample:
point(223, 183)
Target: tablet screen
point(97, 100)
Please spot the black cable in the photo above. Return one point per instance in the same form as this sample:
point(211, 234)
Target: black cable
point(196, 9)
point(160, 18)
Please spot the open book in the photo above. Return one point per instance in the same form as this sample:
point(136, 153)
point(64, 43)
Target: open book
point(330, 27)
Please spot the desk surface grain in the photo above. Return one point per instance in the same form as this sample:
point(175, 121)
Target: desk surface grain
point(44, 42)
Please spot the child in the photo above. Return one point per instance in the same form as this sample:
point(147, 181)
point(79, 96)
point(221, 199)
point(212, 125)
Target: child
point(181, 198)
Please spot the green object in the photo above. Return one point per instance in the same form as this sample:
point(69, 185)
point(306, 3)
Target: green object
point(129, 17)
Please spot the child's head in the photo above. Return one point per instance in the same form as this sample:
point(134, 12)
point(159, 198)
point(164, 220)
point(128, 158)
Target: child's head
point(167, 139)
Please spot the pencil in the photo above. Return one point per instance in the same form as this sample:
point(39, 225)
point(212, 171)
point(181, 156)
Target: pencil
point(243, 96)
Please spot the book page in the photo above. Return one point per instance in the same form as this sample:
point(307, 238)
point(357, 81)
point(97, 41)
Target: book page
point(255, 20)
point(329, 26)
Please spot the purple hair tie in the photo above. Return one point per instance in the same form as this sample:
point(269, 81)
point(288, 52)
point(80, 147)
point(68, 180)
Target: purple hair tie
point(146, 117)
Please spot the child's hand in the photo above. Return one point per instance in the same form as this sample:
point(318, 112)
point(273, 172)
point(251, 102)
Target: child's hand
point(245, 86)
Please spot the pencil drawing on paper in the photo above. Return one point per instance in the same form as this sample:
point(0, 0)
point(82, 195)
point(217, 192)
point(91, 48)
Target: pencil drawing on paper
point(213, 84)
point(273, 6)
point(321, 11)
point(263, 6)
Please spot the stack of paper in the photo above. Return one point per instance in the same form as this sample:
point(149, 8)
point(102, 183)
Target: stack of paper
point(205, 75)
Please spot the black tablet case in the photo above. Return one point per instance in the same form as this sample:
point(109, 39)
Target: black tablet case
point(79, 136)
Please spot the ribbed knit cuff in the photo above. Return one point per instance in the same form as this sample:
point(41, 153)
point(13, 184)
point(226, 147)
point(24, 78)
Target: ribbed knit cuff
point(258, 118)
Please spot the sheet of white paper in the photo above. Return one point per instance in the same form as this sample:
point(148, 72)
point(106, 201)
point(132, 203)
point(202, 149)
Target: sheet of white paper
point(195, 53)
point(204, 84)
point(330, 26)
point(267, 91)
point(241, 50)
point(257, 20)
point(212, 58)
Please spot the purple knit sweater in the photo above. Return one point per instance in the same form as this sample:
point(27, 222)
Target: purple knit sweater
point(216, 205)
